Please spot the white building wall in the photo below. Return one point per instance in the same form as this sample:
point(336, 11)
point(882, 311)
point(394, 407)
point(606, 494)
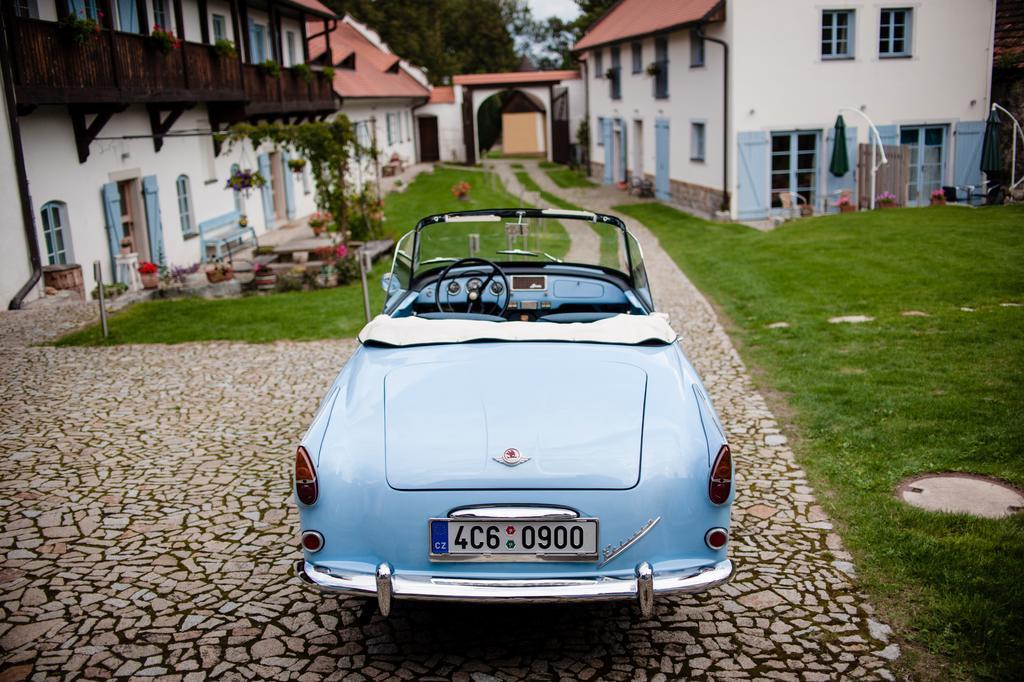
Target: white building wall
point(374, 113)
point(577, 105)
point(55, 174)
point(14, 266)
point(451, 144)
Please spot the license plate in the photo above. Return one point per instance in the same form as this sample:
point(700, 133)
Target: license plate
point(513, 540)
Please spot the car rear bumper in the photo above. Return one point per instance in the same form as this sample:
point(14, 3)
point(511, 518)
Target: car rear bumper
point(643, 586)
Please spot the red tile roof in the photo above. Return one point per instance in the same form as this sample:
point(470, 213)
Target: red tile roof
point(632, 18)
point(371, 77)
point(515, 77)
point(442, 94)
point(1009, 38)
point(314, 6)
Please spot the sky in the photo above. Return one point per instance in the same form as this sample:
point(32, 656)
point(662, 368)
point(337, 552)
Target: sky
point(563, 9)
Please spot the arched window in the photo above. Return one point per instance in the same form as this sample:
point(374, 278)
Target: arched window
point(188, 221)
point(57, 233)
point(239, 201)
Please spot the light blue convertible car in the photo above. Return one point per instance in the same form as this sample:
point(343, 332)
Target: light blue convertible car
point(519, 425)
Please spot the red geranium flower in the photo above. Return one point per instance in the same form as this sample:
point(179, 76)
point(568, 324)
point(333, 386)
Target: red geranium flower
point(147, 268)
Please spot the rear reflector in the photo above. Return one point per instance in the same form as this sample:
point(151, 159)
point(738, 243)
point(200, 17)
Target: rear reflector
point(306, 488)
point(312, 541)
point(720, 483)
point(716, 538)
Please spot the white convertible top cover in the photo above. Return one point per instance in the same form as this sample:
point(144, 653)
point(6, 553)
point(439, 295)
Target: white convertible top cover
point(417, 331)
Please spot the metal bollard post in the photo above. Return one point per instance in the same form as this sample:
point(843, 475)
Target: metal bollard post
point(97, 274)
point(474, 244)
point(365, 264)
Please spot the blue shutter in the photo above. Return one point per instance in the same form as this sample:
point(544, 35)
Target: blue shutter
point(848, 181)
point(752, 179)
point(606, 136)
point(266, 192)
point(289, 182)
point(661, 158)
point(890, 135)
point(622, 152)
point(970, 136)
point(151, 197)
point(112, 212)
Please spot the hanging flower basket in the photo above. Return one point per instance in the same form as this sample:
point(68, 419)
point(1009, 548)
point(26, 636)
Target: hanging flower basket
point(653, 69)
point(244, 180)
point(76, 30)
point(163, 39)
point(296, 165)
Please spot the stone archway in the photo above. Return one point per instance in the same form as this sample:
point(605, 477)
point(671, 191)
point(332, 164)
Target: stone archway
point(541, 94)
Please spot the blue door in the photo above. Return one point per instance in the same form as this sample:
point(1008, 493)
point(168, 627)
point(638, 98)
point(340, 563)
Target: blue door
point(661, 156)
point(154, 226)
point(752, 186)
point(927, 150)
point(112, 215)
point(970, 137)
point(622, 151)
point(288, 178)
point(266, 191)
point(609, 152)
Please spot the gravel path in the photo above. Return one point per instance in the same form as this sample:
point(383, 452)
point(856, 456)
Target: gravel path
point(147, 529)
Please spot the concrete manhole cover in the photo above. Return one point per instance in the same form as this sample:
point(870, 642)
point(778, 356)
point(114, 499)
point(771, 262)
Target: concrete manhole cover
point(961, 493)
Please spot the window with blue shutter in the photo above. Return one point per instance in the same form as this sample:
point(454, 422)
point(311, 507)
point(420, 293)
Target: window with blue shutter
point(661, 67)
point(615, 82)
point(837, 34)
point(638, 57)
point(696, 50)
point(55, 233)
point(894, 33)
point(185, 214)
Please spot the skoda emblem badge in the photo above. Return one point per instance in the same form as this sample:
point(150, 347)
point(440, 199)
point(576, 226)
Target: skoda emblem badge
point(512, 458)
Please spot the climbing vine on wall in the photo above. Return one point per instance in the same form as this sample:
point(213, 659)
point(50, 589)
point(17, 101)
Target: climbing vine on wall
point(328, 146)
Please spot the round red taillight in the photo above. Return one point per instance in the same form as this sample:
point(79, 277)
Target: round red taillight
point(720, 482)
point(312, 541)
point(716, 538)
point(306, 488)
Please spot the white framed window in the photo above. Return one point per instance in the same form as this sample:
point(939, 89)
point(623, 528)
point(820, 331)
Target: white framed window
point(408, 127)
point(219, 24)
point(56, 233)
point(160, 16)
point(894, 32)
point(289, 39)
point(390, 123)
point(696, 50)
point(837, 33)
point(598, 64)
point(638, 57)
point(600, 131)
point(697, 140)
point(185, 213)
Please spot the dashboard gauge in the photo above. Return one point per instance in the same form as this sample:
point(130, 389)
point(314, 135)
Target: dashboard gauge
point(496, 288)
point(473, 284)
point(453, 288)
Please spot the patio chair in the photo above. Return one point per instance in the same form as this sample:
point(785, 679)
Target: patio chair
point(794, 208)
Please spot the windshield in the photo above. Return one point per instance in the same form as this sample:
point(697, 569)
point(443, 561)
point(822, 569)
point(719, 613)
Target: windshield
point(517, 238)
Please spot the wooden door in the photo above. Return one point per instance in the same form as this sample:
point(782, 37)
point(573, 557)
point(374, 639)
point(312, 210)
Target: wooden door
point(429, 146)
point(560, 125)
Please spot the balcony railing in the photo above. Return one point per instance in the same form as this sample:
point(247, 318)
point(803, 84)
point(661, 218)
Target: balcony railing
point(119, 68)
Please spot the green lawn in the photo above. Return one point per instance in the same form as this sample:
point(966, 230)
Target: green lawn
point(528, 183)
point(872, 403)
point(567, 178)
point(327, 313)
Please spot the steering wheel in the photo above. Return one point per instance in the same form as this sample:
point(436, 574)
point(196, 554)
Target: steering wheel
point(473, 297)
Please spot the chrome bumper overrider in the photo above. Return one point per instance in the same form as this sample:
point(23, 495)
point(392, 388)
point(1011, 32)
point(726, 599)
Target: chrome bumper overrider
point(386, 585)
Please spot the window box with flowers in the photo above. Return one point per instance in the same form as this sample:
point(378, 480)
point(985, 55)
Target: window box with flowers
point(938, 198)
point(149, 273)
point(885, 200)
point(76, 30)
point(163, 40)
point(319, 221)
point(225, 49)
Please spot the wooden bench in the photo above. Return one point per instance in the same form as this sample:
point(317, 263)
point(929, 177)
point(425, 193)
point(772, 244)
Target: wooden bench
point(223, 233)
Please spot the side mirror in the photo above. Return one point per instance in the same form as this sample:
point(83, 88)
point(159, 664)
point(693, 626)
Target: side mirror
point(389, 284)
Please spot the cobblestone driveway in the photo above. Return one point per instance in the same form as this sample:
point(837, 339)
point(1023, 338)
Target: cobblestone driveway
point(146, 529)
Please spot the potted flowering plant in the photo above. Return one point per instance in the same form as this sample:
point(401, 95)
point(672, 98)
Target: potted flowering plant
point(653, 69)
point(265, 278)
point(318, 221)
point(219, 272)
point(163, 39)
point(225, 49)
point(460, 190)
point(845, 204)
point(296, 165)
point(938, 197)
point(885, 200)
point(149, 273)
point(78, 30)
point(244, 180)
point(270, 68)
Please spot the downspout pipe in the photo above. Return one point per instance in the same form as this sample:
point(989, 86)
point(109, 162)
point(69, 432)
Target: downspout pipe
point(726, 204)
point(27, 213)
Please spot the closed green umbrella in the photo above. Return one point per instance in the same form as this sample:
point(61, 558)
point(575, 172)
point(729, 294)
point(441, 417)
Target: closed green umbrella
point(991, 158)
point(840, 164)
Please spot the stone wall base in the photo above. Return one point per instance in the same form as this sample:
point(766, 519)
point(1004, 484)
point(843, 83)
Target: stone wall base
point(597, 171)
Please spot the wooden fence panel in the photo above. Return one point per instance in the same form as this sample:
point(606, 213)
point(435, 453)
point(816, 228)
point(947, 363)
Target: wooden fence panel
point(892, 177)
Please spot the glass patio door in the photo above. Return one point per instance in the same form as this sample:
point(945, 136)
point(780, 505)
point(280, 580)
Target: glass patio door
point(927, 149)
point(794, 169)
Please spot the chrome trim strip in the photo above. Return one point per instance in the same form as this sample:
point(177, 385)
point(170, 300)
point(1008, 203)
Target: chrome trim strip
point(512, 512)
point(525, 590)
point(645, 588)
point(610, 552)
point(385, 588)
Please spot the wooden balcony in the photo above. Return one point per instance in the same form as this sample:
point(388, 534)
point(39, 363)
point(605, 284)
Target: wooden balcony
point(124, 68)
